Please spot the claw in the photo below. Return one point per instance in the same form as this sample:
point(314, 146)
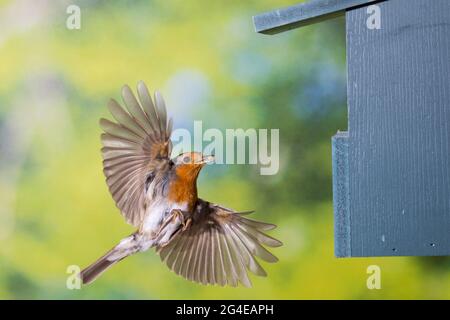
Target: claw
point(178, 214)
point(187, 224)
point(172, 219)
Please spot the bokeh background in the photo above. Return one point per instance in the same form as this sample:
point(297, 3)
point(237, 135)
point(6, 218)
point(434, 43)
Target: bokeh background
point(55, 209)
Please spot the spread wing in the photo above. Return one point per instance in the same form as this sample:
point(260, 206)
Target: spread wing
point(134, 146)
point(219, 247)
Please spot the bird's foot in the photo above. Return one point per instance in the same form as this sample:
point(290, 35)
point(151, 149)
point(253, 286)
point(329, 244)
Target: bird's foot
point(175, 223)
point(175, 215)
point(186, 224)
point(178, 214)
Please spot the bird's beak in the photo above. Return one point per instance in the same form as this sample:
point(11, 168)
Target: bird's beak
point(207, 159)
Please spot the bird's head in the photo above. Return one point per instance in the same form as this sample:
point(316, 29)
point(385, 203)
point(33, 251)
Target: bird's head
point(189, 164)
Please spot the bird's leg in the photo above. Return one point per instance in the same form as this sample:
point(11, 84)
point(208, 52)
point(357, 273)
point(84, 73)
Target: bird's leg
point(175, 223)
point(187, 224)
point(176, 213)
point(172, 218)
point(184, 222)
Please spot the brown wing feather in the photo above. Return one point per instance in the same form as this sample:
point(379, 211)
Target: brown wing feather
point(219, 247)
point(133, 147)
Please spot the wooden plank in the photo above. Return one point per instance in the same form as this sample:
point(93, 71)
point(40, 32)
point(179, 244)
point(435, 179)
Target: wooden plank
point(303, 14)
point(341, 196)
point(399, 129)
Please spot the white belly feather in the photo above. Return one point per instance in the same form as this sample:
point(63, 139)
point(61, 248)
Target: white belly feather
point(156, 214)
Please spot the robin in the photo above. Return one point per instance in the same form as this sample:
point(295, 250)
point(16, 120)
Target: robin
point(199, 240)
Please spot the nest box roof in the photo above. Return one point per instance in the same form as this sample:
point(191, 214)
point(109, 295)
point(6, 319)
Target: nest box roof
point(304, 14)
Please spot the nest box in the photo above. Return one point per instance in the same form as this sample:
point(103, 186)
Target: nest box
point(391, 168)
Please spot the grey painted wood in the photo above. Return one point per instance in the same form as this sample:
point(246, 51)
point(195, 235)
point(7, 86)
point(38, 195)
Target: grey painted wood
point(391, 170)
point(399, 130)
point(341, 196)
point(303, 14)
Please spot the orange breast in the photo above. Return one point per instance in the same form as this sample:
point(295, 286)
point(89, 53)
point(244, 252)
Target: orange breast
point(183, 188)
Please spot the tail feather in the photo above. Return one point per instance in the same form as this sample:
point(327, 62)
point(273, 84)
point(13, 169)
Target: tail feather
point(92, 272)
point(125, 248)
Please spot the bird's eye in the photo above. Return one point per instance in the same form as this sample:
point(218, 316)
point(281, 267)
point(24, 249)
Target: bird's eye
point(187, 159)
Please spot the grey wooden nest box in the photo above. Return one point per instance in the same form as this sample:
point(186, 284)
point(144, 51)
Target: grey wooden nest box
point(391, 169)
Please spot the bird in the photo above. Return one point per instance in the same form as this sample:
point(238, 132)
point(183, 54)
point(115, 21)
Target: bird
point(198, 240)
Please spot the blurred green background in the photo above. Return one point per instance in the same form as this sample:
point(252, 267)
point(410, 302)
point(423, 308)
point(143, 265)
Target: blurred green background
point(210, 65)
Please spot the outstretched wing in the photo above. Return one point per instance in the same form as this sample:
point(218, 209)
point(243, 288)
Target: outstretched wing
point(219, 247)
point(134, 147)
